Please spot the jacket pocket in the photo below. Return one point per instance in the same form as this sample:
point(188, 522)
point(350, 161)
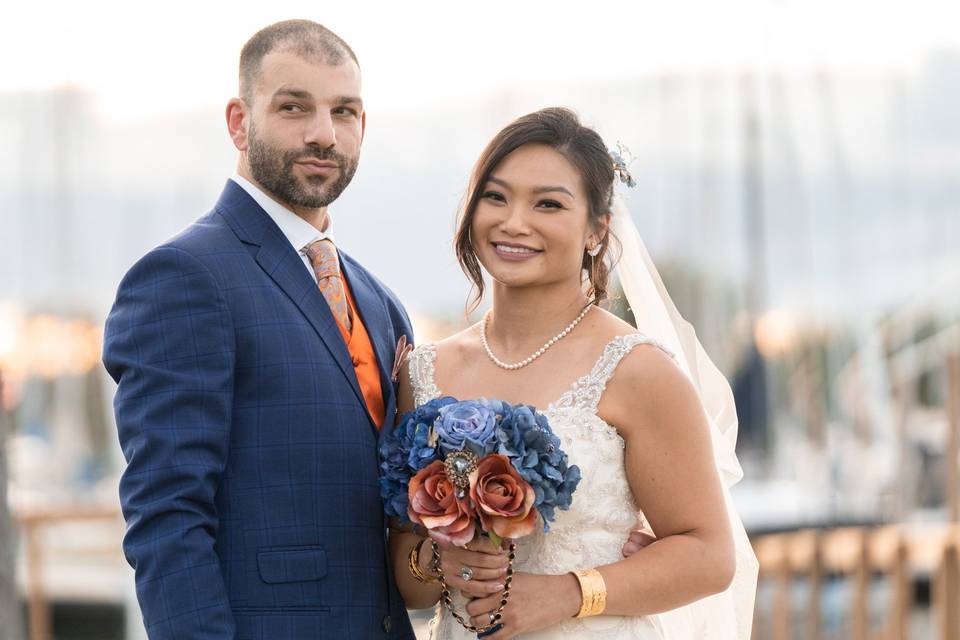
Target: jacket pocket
point(278, 565)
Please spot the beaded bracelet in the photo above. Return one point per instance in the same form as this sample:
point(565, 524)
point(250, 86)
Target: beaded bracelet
point(445, 595)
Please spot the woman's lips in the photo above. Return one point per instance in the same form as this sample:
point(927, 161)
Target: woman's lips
point(515, 253)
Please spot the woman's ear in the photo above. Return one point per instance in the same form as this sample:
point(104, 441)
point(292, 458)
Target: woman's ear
point(601, 228)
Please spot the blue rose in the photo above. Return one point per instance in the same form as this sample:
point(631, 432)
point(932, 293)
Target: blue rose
point(469, 424)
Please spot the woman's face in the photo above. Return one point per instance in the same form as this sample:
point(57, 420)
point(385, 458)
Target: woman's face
point(531, 225)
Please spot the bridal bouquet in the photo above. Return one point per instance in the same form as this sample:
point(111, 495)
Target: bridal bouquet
point(475, 467)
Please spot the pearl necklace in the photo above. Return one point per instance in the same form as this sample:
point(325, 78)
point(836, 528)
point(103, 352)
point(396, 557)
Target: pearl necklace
point(536, 354)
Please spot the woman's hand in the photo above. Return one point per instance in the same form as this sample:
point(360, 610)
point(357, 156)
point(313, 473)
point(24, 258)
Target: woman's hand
point(487, 562)
point(536, 602)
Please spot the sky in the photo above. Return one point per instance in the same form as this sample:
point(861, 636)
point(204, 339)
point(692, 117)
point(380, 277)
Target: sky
point(141, 60)
point(441, 77)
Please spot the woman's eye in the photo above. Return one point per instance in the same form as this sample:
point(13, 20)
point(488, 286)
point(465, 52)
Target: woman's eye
point(496, 196)
point(550, 204)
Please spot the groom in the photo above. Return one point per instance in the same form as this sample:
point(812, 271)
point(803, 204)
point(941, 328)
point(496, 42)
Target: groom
point(254, 368)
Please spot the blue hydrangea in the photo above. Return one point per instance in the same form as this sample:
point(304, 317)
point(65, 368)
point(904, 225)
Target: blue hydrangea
point(404, 451)
point(525, 437)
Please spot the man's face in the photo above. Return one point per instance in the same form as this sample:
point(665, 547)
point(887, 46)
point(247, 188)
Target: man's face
point(305, 129)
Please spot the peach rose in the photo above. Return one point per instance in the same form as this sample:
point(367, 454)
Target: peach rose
point(433, 502)
point(504, 500)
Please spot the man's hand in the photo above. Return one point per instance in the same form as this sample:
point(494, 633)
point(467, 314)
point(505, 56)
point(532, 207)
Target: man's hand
point(637, 540)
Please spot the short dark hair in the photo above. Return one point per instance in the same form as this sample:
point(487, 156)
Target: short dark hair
point(305, 38)
point(561, 130)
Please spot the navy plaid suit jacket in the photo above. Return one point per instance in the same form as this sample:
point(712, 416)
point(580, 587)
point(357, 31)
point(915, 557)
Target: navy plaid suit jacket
point(251, 496)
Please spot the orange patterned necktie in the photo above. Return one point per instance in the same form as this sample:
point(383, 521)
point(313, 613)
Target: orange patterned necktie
point(326, 264)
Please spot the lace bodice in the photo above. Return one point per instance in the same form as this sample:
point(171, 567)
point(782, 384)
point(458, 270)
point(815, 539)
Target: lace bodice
point(603, 512)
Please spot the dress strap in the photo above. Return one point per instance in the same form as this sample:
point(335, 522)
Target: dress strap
point(423, 361)
point(586, 392)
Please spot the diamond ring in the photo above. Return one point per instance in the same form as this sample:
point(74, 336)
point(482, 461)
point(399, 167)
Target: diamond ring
point(466, 573)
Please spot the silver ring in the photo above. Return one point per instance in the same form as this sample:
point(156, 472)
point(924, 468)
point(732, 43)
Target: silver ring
point(466, 573)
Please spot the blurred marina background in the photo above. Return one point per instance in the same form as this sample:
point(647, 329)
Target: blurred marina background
point(798, 169)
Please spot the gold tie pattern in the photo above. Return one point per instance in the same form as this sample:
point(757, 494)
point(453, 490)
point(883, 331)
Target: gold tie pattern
point(326, 264)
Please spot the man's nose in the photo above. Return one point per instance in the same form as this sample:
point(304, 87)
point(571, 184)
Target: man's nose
point(320, 131)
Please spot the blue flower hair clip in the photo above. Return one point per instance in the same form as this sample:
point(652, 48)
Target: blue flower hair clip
point(620, 165)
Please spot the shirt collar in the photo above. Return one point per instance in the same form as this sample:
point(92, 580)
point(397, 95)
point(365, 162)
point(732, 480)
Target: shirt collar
point(298, 231)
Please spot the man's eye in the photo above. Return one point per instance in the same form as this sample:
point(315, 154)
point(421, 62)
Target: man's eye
point(344, 111)
point(291, 108)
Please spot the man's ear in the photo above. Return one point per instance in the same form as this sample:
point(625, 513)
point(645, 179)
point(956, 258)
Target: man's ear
point(363, 125)
point(237, 114)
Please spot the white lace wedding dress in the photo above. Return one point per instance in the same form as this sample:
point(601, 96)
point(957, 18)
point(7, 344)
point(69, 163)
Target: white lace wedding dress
point(592, 532)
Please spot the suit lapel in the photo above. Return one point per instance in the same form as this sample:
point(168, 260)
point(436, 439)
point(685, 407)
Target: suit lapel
point(284, 266)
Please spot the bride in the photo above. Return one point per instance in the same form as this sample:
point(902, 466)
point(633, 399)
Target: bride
point(630, 408)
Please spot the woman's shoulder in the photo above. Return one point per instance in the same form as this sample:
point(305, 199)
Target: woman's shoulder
point(427, 357)
point(635, 352)
point(454, 346)
point(646, 364)
point(643, 375)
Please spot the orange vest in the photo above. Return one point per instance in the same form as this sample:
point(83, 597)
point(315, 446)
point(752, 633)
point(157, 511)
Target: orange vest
point(364, 361)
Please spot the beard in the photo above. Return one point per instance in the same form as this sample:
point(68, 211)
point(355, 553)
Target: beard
point(272, 168)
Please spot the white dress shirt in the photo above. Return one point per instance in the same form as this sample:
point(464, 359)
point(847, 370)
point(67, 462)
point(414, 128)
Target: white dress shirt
point(298, 231)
